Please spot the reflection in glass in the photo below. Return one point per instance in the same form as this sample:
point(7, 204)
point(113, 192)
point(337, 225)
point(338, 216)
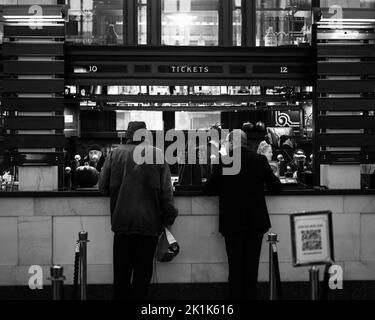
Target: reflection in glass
point(348, 3)
point(190, 22)
point(95, 22)
point(196, 120)
point(142, 21)
point(153, 119)
point(283, 22)
point(367, 176)
point(237, 23)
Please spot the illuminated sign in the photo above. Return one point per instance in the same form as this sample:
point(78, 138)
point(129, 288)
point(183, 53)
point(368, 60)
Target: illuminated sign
point(190, 69)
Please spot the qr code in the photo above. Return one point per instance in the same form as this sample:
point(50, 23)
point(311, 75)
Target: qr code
point(311, 240)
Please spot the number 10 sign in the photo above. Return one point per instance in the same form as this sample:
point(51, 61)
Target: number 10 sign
point(312, 238)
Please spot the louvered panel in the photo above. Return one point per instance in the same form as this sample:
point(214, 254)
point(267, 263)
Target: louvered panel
point(33, 49)
point(33, 104)
point(35, 141)
point(34, 123)
point(345, 122)
point(33, 86)
point(34, 67)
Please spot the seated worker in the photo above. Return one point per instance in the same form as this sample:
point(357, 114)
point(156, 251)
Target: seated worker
point(287, 147)
point(265, 149)
point(299, 156)
point(94, 157)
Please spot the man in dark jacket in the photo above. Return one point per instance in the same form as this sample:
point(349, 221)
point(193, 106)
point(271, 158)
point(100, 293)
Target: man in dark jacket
point(141, 205)
point(243, 215)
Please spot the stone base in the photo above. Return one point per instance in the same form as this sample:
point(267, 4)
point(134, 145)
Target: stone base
point(353, 290)
point(38, 178)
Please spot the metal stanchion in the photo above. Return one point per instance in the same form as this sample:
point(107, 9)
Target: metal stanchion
point(76, 272)
point(57, 278)
point(272, 239)
point(83, 239)
point(314, 280)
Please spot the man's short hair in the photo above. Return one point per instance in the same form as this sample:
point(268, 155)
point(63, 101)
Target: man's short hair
point(133, 126)
point(243, 137)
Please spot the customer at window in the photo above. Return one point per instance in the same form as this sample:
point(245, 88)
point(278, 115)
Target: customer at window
point(243, 215)
point(141, 205)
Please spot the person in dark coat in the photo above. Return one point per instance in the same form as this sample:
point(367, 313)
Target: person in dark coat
point(141, 205)
point(243, 215)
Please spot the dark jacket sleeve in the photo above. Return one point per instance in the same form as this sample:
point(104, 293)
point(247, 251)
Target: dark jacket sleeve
point(272, 182)
point(168, 210)
point(105, 174)
point(212, 186)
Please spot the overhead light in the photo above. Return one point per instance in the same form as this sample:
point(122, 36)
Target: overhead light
point(34, 20)
point(32, 17)
point(348, 20)
point(181, 17)
point(34, 24)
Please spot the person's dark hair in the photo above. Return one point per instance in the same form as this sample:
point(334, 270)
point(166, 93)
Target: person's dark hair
point(133, 126)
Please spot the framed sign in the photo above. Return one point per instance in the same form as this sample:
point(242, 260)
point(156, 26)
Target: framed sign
point(312, 238)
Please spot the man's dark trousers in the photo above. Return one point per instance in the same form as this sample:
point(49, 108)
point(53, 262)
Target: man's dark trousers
point(243, 251)
point(132, 256)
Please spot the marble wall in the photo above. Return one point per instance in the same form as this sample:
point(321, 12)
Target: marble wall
point(43, 231)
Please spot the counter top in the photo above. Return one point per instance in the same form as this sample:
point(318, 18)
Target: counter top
point(182, 193)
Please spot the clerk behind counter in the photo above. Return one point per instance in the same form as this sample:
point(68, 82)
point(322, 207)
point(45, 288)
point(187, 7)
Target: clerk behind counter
point(93, 162)
point(293, 168)
point(94, 157)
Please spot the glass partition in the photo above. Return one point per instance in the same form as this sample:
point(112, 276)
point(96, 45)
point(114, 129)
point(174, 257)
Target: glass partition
point(237, 23)
point(190, 22)
point(283, 22)
point(142, 21)
point(95, 22)
point(153, 119)
point(348, 4)
point(196, 120)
